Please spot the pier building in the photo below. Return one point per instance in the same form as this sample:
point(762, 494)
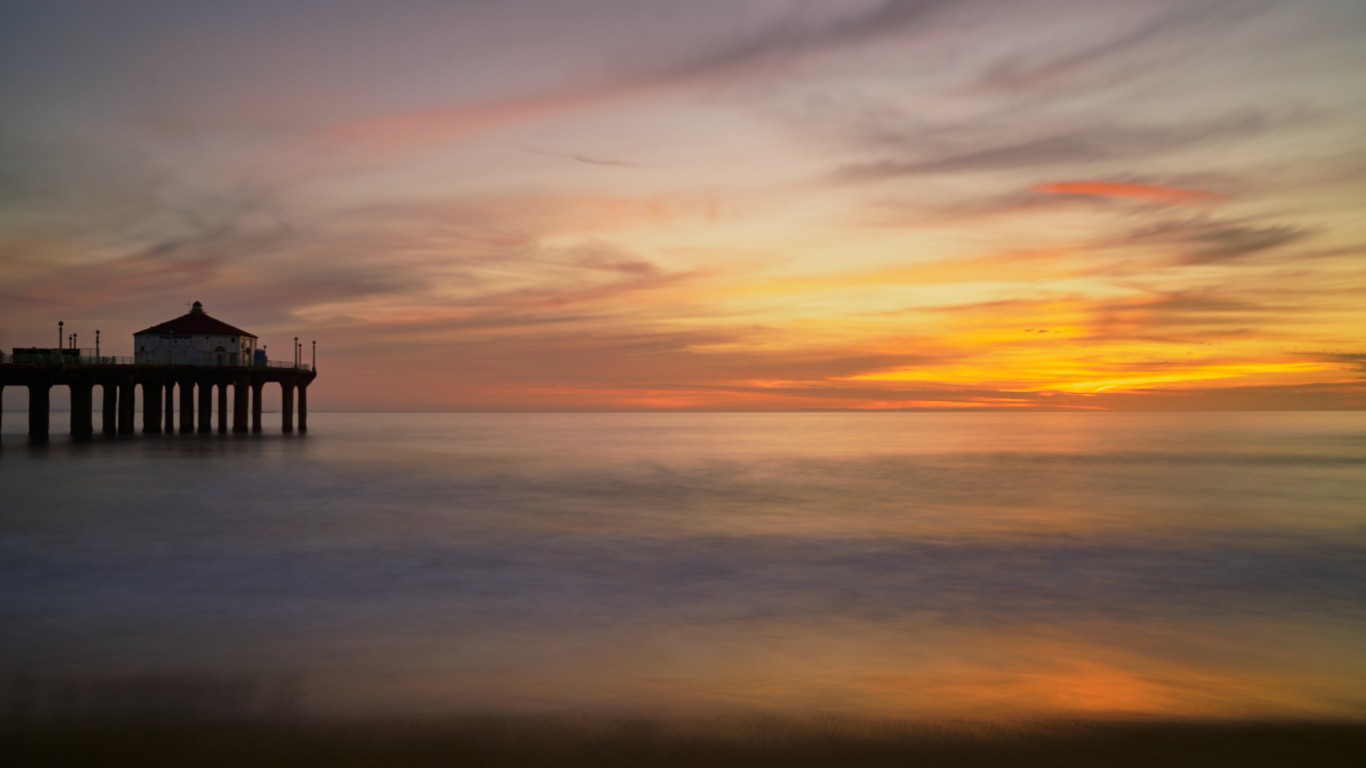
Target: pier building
point(186, 370)
point(194, 339)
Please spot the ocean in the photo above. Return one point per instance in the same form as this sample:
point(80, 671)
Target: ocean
point(984, 567)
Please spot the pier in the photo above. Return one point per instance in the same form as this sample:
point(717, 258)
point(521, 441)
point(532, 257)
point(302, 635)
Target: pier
point(195, 358)
point(201, 391)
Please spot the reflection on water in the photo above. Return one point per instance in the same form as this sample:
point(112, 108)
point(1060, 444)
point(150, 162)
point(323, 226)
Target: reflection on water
point(148, 697)
point(1008, 566)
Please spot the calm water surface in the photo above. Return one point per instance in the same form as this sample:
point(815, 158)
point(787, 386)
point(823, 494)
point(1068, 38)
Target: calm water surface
point(999, 566)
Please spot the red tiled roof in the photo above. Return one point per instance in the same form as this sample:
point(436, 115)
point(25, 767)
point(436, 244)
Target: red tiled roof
point(198, 323)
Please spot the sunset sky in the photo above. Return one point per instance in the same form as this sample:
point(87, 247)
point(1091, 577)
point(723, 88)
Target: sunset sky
point(705, 204)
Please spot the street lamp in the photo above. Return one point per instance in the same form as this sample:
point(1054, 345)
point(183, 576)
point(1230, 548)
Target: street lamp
point(97, 343)
point(61, 332)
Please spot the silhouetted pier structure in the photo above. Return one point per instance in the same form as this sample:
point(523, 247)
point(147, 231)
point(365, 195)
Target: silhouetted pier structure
point(198, 387)
point(194, 356)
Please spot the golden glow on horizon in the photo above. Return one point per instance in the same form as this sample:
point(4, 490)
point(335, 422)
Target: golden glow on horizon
point(1081, 379)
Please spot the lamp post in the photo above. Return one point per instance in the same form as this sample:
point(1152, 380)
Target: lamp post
point(97, 344)
point(61, 332)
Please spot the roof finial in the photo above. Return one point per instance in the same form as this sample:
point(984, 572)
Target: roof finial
point(197, 309)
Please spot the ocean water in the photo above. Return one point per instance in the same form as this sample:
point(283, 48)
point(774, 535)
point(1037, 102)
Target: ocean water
point(910, 565)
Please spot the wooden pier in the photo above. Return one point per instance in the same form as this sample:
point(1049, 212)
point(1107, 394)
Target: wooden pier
point(200, 389)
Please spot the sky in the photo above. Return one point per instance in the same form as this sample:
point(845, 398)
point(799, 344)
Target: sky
point(705, 204)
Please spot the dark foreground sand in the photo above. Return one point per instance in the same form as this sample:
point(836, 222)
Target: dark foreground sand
point(588, 741)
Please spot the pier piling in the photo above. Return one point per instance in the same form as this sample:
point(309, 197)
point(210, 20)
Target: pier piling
point(239, 407)
point(169, 426)
point(151, 408)
point(205, 407)
point(222, 407)
point(303, 407)
point(109, 411)
point(126, 406)
point(286, 407)
point(38, 394)
point(256, 388)
point(186, 406)
point(82, 402)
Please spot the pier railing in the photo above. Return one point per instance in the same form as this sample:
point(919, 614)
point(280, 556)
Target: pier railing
point(53, 358)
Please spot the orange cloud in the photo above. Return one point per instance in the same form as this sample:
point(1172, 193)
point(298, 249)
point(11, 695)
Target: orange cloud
point(423, 129)
point(1149, 192)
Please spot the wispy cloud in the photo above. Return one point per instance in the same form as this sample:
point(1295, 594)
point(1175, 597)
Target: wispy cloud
point(1238, 242)
point(1188, 22)
point(1211, 241)
point(586, 159)
point(1356, 360)
point(1065, 149)
point(786, 39)
point(1146, 192)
